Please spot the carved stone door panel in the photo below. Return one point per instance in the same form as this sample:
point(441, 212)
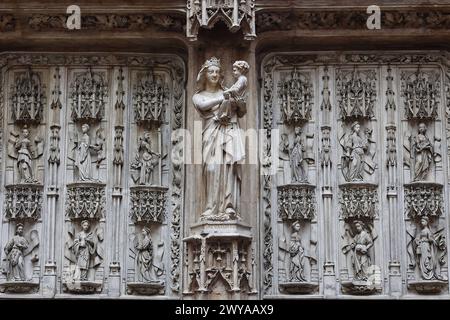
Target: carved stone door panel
point(377, 183)
point(89, 172)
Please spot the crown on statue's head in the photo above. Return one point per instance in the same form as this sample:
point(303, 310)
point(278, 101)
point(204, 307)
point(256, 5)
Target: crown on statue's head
point(212, 62)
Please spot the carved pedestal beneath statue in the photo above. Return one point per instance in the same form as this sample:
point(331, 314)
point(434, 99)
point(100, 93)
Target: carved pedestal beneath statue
point(19, 287)
point(83, 287)
point(220, 261)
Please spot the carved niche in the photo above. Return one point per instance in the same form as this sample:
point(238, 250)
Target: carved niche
point(28, 98)
point(296, 96)
point(235, 14)
point(426, 238)
point(88, 95)
point(359, 150)
point(358, 210)
point(147, 277)
point(420, 92)
point(150, 99)
point(356, 93)
point(20, 263)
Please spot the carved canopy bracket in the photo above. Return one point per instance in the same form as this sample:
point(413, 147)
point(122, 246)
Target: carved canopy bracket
point(424, 200)
point(296, 96)
point(150, 99)
point(148, 204)
point(28, 98)
point(23, 202)
point(235, 14)
point(356, 93)
point(358, 201)
point(85, 201)
point(88, 93)
point(296, 202)
point(420, 93)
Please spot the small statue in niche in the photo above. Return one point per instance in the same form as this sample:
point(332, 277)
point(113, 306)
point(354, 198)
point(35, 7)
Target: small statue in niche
point(236, 96)
point(297, 255)
point(358, 244)
point(298, 158)
point(17, 248)
point(358, 155)
point(427, 249)
point(422, 153)
point(25, 151)
point(84, 250)
point(391, 148)
point(145, 257)
point(145, 162)
point(82, 152)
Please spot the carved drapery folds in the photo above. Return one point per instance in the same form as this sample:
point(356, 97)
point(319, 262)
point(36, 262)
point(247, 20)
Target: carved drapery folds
point(296, 202)
point(85, 201)
point(420, 92)
point(28, 98)
point(148, 204)
point(296, 98)
point(23, 202)
point(88, 94)
point(426, 238)
point(150, 99)
point(235, 14)
point(356, 93)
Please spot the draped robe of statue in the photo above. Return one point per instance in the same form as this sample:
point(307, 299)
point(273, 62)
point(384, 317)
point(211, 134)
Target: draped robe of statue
point(83, 158)
point(222, 150)
point(423, 151)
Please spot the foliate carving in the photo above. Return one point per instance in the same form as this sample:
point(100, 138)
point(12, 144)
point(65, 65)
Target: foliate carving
point(88, 94)
point(427, 249)
point(145, 162)
point(326, 94)
point(356, 93)
point(358, 201)
point(23, 202)
point(7, 23)
point(390, 94)
point(296, 202)
point(148, 204)
point(84, 249)
point(296, 96)
point(25, 151)
point(358, 153)
point(16, 249)
point(120, 93)
point(150, 99)
point(421, 94)
point(235, 14)
point(85, 201)
point(424, 200)
point(28, 98)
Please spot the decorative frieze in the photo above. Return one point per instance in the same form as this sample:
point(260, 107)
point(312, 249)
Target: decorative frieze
point(296, 202)
point(23, 201)
point(85, 201)
point(148, 204)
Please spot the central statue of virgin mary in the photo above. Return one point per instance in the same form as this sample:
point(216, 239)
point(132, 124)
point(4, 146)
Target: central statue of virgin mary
point(222, 144)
